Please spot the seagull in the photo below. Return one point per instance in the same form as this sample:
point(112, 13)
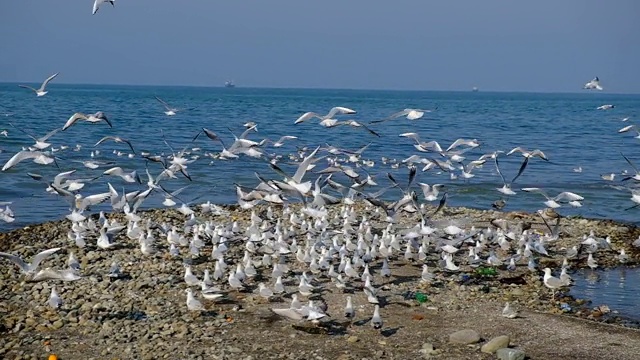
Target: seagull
point(376, 320)
point(41, 142)
point(171, 111)
point(54, 299)
point(509, 312)
point(334, 123)
point(348, 310)
point(39, 157)
point(551, 282)
point(554, 202)
point(281, 141)
point(529, 154)
point(629, 128)
point(605, 107)
point(334, 111)
point(431, 192)
point(53, 274)
point(41, 91)
point(128, 177)
point(29, 268)
point(98, 3)
point(410, 114)
point(92, 118)
point(593, 84)
point(506, 189)
point(193, 304)
point(116, 139)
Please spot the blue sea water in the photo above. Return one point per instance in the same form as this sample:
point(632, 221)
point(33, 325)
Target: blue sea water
point(567, 127)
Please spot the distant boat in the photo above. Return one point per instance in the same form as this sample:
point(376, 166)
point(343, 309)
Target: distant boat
point(474, 89)
point(229, 84)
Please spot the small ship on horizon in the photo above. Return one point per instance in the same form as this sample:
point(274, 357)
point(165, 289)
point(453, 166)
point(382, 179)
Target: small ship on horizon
point(229, 84)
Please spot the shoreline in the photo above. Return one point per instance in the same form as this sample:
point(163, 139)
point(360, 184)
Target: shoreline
point(157, 301)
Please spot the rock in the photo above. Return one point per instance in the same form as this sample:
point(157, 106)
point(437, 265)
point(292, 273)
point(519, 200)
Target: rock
point(496, 343)
point(510, 354)
point(57, 324)
point(464, 337)
point(353, 339)
point(517, 292)
point(427, 349)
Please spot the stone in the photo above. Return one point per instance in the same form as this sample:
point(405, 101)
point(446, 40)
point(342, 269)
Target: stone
point(352, 339)
point(427, 349)
point(464, 337)
point(498, 342)
point(510, 354)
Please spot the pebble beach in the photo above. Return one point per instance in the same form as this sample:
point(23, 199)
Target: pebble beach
point(142, 314)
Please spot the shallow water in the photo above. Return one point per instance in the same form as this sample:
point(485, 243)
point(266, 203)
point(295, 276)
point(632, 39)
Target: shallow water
point(618, 288)
point(567, 127)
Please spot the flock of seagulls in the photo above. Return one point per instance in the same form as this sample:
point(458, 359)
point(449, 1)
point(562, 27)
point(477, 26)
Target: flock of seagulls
point(296, 251)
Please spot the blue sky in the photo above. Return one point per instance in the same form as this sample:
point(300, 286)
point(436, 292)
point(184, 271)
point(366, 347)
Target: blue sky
point(402, 44)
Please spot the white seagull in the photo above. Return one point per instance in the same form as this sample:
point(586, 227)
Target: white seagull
point(42, 90)
point(92, 118)
point(593, 84)
point(29, 268)
point(410, 114)
point(554, 202)
point(333, 112)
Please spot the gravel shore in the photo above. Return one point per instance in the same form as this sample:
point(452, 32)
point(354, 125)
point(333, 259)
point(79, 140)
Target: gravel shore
point(143, 313)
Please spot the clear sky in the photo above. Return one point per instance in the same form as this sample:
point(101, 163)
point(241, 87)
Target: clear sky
point(542, 45)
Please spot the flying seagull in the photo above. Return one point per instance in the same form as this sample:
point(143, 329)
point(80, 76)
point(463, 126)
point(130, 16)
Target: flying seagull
point(410, 114)
point(93, 118)
point(593, 84)
point(41, 91)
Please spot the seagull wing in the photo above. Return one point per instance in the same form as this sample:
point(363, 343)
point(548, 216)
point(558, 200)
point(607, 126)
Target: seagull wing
point(104, 139)
point(166, 106)
point(44, 84)
point(495, 159)
point(246, 132)
point(306, 116)
point(50, 134)
point(20, 156)
point(569, 196)
point(537, 190)
point(24, 132)
point(94, 200)
point(96, 6)
point(57, 180)
point(28, 87)
point(75, 117)
point(16, 260)
point(37, 259)
point(339, 110)
point(302, 168)
point(522, 167)
point(630, 163)
point(392, 116)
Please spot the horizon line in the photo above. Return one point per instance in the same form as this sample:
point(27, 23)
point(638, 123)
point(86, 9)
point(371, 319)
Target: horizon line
point(325, 88)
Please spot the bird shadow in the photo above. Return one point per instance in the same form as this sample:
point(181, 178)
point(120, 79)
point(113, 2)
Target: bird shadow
point(362, 322)
point(390, 331)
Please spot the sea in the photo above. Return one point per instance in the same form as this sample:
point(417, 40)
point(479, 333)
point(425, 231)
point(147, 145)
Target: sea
point(567, 127)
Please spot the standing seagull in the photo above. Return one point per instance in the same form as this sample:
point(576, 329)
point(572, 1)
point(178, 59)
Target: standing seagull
point(41, 91)
point(97, 3)
point(593, 84)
